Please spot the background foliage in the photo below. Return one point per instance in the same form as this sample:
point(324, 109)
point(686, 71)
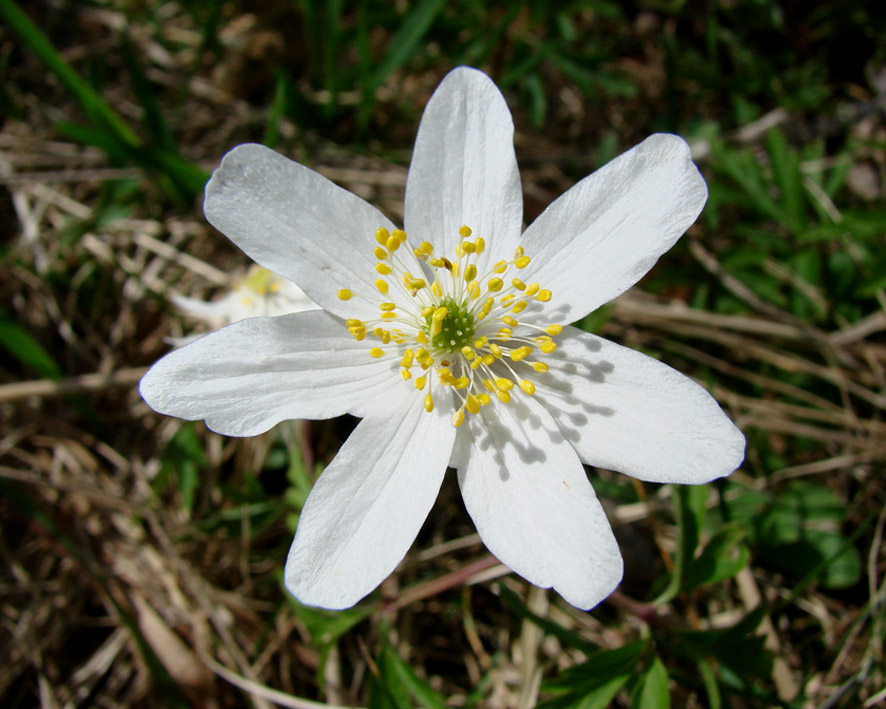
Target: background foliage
point(142, 556)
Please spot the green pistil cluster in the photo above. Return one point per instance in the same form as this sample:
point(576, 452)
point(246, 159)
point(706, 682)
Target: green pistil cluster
point(456, 328)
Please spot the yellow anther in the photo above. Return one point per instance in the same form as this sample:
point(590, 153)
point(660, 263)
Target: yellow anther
point(483, 399)
point(376, 352)
point(518, 252)
point(427, 311)
point(474, 290)
point(344, 294)
point(446, 377)
point(400, 234)
point(387, 307)
point(436, 289)
point(505, 332)
point(458, 418)
point(532, 289)
point(426, 248)
point(385, 337)
point(441, 313)
point(408, 357)
point(429, 403)
point(426, 362)
point(488, 359)
point(520, 306)
point(382, 235)
point(521, 353)
point(470, 273)
point(483, 313)
point(509, 321)
point(462, 383)
point(496, 350)
point(421, 337)
point(522, 262)
point(353, 322)
point(475, 364)
point(547, 347)
point(421, 354)
point(503, 396)
point(436, 262)
point(393, 243)
point(481, 342)
point(489, 384)
point(554, 329)
point(527, 386)
point(480, 243)
point(383, 269)
point(377, 331)
point(464, 231)
point(506, 300)
point(382, 285)
point(420, 254)
point(358, 331)
point(380, 253)
point(469, 247)
point(420, 382)
point(504, 384)
point(544, 295)
point(389, 316)
point(500, 267)
point(417, 284)
point(518, 284)
point(468, 352)
point(406, 374)
point(540, 367)
point(436, 327)
point(473, 404)
point(495, 284)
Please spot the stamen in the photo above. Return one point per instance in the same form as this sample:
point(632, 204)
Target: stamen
point(458, 326)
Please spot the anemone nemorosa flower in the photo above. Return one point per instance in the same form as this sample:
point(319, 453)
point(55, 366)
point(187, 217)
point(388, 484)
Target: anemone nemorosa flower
point(450, 339)
point(259, 293)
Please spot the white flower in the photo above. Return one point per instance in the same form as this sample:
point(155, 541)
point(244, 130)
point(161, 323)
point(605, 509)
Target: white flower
point(450, 344)
point(260, 293)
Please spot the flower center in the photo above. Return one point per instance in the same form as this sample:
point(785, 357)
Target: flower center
point(452, 327)
point(455, 329)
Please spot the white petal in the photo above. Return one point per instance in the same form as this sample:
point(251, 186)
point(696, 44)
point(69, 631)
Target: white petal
point(534, 508)
point(246, 377)
point(367, 507)
point(606, 232)
point(624, 411)
point(210, 311)
point(297, 224)
point(464, 170)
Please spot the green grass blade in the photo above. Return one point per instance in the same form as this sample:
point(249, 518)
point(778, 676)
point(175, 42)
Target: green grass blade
point(404, 43)
point(27, 350)
point(90, 101)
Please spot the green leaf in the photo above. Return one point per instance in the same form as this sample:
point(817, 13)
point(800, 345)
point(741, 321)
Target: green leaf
point(652, 690)
point(398, 687)
point(689, 501)
point(21, 345)
point(597, 679)
point(326, 627)
point(723, 557)
point(736, 647)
